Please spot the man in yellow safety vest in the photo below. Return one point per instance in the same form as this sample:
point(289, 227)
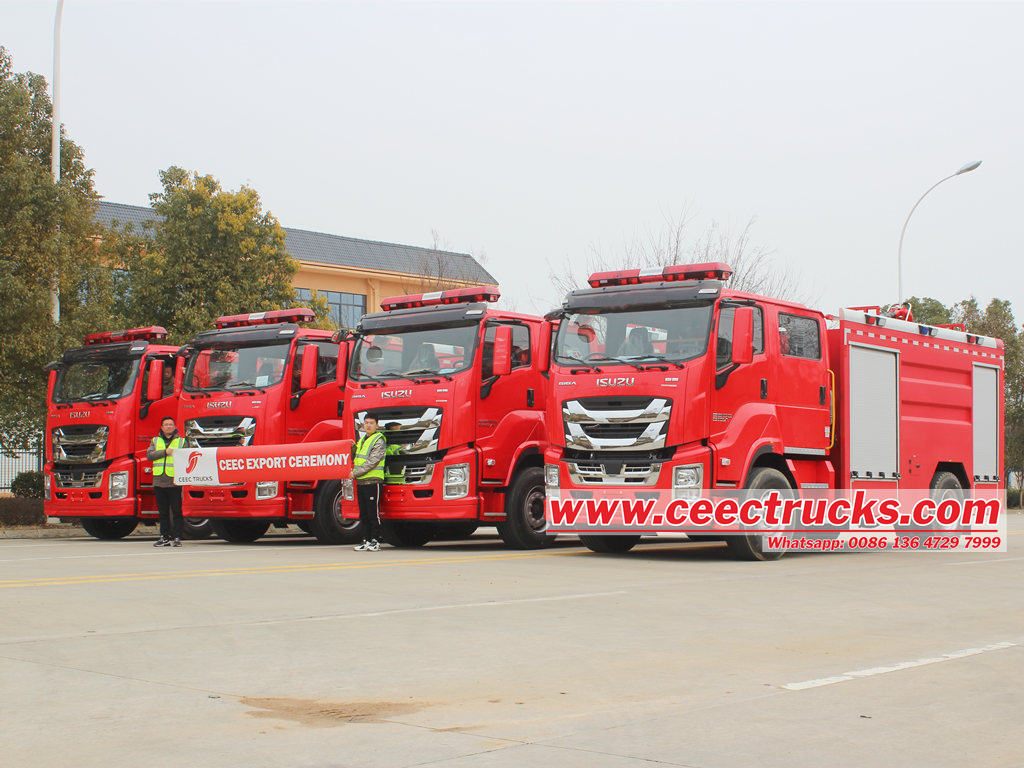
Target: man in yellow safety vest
point(368, 475)
point(168, 495)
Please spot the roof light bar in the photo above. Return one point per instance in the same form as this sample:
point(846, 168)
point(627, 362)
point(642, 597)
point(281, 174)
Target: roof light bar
point(712, 270)
point(456, 296)
point(150, 333)
point(266, 318)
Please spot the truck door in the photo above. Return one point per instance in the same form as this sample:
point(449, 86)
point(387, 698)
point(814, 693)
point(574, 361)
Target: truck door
point(802, 395)
point(521, 390)
point(737, 393)
point(308, 407)
point(150, 414)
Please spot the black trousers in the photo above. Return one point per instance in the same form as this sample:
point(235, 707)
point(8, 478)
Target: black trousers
point(368, 495)
point(168, 504)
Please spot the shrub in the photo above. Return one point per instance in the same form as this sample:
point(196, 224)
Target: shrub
point(28, 485)
point(15, 511)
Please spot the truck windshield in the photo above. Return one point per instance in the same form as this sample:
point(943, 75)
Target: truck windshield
point(230, 366)
point(604, 337)
point(422, 351)
point(98, 379)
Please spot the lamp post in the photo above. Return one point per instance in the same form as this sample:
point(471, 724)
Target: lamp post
point(899, 253)
point(55, 139)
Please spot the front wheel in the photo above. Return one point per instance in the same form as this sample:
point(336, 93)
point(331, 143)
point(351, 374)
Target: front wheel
point(525, 525)
point(240, 531)
point(197, 528)
point(108, 530)
point(606, 544)
point(327, 524)
point(407, 533)
point(750, 546)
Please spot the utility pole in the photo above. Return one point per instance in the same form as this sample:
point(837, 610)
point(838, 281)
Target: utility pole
point(55, 139)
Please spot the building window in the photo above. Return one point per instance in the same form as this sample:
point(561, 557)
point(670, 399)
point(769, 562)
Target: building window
point(344, 309)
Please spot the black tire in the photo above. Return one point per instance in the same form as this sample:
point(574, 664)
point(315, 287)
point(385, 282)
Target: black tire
point(525, 525)
point(749, 546)
point(608, 544)
point(327, 524)
point(946, 485)
point(196, 528)
point(108, 530)
point(239, 531)
point(407, 534)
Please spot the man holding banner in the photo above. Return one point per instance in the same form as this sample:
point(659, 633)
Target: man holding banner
point(168, 494)
point(368, 475)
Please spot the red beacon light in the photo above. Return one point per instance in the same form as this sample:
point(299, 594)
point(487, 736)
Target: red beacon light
point(456, 296)
point(712, 270)
point(266, 318)
point(150, 333)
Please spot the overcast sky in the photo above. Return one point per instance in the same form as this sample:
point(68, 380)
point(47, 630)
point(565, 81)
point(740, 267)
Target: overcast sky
point(531, 132)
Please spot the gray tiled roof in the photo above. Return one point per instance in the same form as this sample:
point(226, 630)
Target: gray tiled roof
point(338, 250)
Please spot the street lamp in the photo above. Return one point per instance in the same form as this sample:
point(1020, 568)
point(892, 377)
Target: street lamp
point(55, 139)
point(899, 253)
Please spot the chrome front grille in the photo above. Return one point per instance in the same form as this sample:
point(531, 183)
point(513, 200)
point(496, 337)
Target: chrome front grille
point(418, 429)
point(611, 472)
point(80, 443)
point(220, 431)
point(77, 478)
point(616, 423)
point(412, 474)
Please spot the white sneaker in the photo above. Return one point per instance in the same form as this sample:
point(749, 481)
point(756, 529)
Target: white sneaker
point(374, 546)
point(364, 546)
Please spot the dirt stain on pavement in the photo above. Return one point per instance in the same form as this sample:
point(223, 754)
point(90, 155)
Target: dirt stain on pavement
point(316, 713)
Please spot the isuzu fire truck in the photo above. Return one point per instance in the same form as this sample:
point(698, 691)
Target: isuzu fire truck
point(105, 401)
point(260, 379)
point(665, 383)
point(459, 390)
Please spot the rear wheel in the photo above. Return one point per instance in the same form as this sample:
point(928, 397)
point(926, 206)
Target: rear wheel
point(407, 533)
point(239, 531)
point(196, 528)
point(750, 546)
point(606, 544)
point(946, 485)
point(108, 530)
point(327, 524)
point(525, 525)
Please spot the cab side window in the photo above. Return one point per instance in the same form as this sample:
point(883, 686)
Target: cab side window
point(799, 336)
point(723, 347)
point(520, 348)
point(326, 364)
point(167, 388)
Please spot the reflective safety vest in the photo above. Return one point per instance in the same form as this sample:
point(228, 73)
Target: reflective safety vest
point(165, 465)
point(391, 477)
point(363, 453)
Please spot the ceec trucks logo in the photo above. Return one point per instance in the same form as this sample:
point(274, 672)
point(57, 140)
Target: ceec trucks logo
point(193, 459)
point(615, 381)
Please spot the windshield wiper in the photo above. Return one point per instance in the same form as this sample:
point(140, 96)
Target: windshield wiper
point(622, 360)
point(580, 360)
point(662, 359)
point(412, 374)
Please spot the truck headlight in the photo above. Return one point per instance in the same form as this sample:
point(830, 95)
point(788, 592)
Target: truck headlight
point(118, 486)
point(687, 481)
point(266, 489)
point(456, 481)
point(348, 490)
point(46, 486)
point(551, 475)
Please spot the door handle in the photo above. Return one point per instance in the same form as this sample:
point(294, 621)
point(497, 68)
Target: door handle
point(822, 396)
point(529, 398)
point(764, 389)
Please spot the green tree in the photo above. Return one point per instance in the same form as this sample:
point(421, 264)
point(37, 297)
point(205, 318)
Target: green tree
point(929, 311)
point(212, 252)
point(46, 240)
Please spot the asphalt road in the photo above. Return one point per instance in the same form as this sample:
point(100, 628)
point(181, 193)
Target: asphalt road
point(286, 653)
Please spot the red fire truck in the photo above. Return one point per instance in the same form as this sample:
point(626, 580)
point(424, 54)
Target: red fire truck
point(665, 382)
point(105, 401)
point(260, 379)
point(459, 389)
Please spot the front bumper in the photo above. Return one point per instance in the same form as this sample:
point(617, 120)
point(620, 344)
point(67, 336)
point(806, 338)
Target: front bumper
point(426, 501)
point(232, 501)
point(95, 501)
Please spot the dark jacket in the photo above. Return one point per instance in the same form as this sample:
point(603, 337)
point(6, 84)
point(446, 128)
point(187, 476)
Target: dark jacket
point(153, 454)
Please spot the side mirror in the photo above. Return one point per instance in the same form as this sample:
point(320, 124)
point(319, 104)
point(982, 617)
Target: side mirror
point(179, 374)
point(502, 350)
point(341, 375)
point(155, 385)
point(544, 356)
point(307, 373)
point(743, 335)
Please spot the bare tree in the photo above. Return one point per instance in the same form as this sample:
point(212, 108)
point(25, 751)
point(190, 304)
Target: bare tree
point(678, 240)
point(439, 270)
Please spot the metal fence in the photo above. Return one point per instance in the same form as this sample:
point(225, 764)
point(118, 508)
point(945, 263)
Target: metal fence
point(14, 463)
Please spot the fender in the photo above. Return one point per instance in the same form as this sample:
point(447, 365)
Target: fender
point(517, 431)
point(323, 431)
point(754, 430)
